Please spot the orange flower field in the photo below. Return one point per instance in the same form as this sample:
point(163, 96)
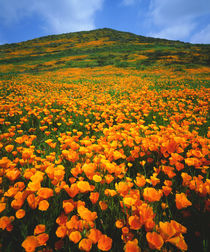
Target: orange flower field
point(104, 159)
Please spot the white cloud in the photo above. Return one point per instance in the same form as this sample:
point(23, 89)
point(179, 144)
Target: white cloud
point(174, 32)
point(176, 19)
point(128, 2)
point(58, 15)
point(202, 37)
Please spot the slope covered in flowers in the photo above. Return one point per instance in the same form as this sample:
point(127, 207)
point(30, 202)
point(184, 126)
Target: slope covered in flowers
point(105, 159)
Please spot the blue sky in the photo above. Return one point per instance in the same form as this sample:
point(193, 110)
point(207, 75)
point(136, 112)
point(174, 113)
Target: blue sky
point(184, 20)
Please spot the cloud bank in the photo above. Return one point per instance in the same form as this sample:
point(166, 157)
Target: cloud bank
point(58, 16)
point(178, 19)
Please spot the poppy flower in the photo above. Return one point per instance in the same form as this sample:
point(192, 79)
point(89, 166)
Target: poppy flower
point(103, 205)
point(85, 244)
point(42, 239)
point(43, 205)
point(9, 148)
point(45, 192)
point(94, 235)
point(83, 186)
point(154, 240)
point(5, 222)
point(75, 236)
point(151, 194)
point(179, 242)
point(134, 222)
point(30, 243)
point(2, 206)
point(132, 246)
point(182, 201)
point(94, 197)
point(86, 214)
point(61, 231)
point(68, 206)
point(104, 243)
point(39, 229)
point(32, 202)
point(119, 224)
point(20, 213)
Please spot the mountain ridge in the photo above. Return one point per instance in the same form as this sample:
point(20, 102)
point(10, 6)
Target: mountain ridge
point(100, 47)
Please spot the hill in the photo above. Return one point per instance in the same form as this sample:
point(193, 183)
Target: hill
point(104, 144)
point(98, 48)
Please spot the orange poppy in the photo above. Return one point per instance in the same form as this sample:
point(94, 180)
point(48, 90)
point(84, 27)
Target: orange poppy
point(155, 240)
point(72, 191)
point(2, 206)
point(94, 197)
point(68, 206)
point(5, 222)
point(94, 235)
point(104, 243)
point(42, 239)
point(132, 246)
point(110, 192)
point(45, 192)
point(86, 214)
point(182, 201)
point(30, 243)
point(61, 231)
point(32, 202)
point(166, 230)
point(103, 205)
point(20, 213)
point(140, 181)
point(179, 242)
point(83, 186)
point(43, 205)
point(85, 244)
point(134, 222)
point(75, 236)
point(151, 195)
point(119, 224)
point(39, 229)
point(97, 178)
point(9, 148)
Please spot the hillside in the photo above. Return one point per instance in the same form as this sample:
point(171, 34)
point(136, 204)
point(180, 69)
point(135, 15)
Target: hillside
point(98, 48)
point(104, 144)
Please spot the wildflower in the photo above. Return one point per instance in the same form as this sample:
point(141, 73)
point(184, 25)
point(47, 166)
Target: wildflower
point(75, 236)
point(155, 240)
point(42, 239)
point(85, 244)
point(30, 243)
point(39, 229)
point(61, 231)
point(94, 197)
point(151, 195)
point(103, 205)
point(43, 205)
point(132, 246)
point(68, 206)
point(45, 192)
point(94, 235)
point(104, 243)
point(20, 213)
point(9, 148)
point(182, 201)
point(134, 222)
point(83, 186)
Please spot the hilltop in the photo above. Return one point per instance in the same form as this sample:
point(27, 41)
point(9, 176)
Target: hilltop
point(98, 48)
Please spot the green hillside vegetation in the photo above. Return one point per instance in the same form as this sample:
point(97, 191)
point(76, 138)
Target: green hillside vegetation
point(100, 47)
